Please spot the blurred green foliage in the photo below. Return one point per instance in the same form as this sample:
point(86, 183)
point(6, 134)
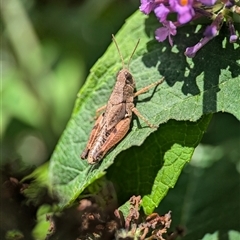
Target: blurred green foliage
point(48, 48)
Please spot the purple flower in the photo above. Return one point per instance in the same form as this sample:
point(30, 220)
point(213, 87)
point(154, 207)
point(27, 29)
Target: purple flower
point(233, 36)
point(229, 3)
point(147, 6)
point(208, 2)
point(161, 12)
point(210, 32)
point(187, 10)
point(184, 9)
point(167, 30)
point(191, 51)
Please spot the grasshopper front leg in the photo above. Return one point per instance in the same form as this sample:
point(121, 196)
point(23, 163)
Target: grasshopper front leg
point(141, 91)
point(145, 89)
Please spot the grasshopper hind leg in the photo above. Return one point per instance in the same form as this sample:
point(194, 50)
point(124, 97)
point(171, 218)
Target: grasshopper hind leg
point(93, 136)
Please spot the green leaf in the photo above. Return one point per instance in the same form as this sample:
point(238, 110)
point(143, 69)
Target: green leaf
point(213, 236)
point(37, 189)
point(43, 225)
point(206, 197)
point(234, 235)
point(151, 170)
point(125, 209)
point(208, 83)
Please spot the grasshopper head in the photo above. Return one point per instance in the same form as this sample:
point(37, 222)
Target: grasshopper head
point(125, 86)
point(125, 79)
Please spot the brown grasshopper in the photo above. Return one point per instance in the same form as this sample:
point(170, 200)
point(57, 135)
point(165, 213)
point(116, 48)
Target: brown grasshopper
point(112, 125)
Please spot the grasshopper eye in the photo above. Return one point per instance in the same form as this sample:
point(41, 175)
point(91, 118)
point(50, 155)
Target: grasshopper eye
point(128, 77)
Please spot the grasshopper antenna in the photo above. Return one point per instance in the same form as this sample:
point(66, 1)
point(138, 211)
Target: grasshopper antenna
point(114, 39)
point(123, 65)
point(133, 53)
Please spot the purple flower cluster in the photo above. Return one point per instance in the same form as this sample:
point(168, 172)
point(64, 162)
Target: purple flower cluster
point(188, 10)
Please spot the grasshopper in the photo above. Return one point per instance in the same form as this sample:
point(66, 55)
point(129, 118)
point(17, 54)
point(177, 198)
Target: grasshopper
point(113, 124)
